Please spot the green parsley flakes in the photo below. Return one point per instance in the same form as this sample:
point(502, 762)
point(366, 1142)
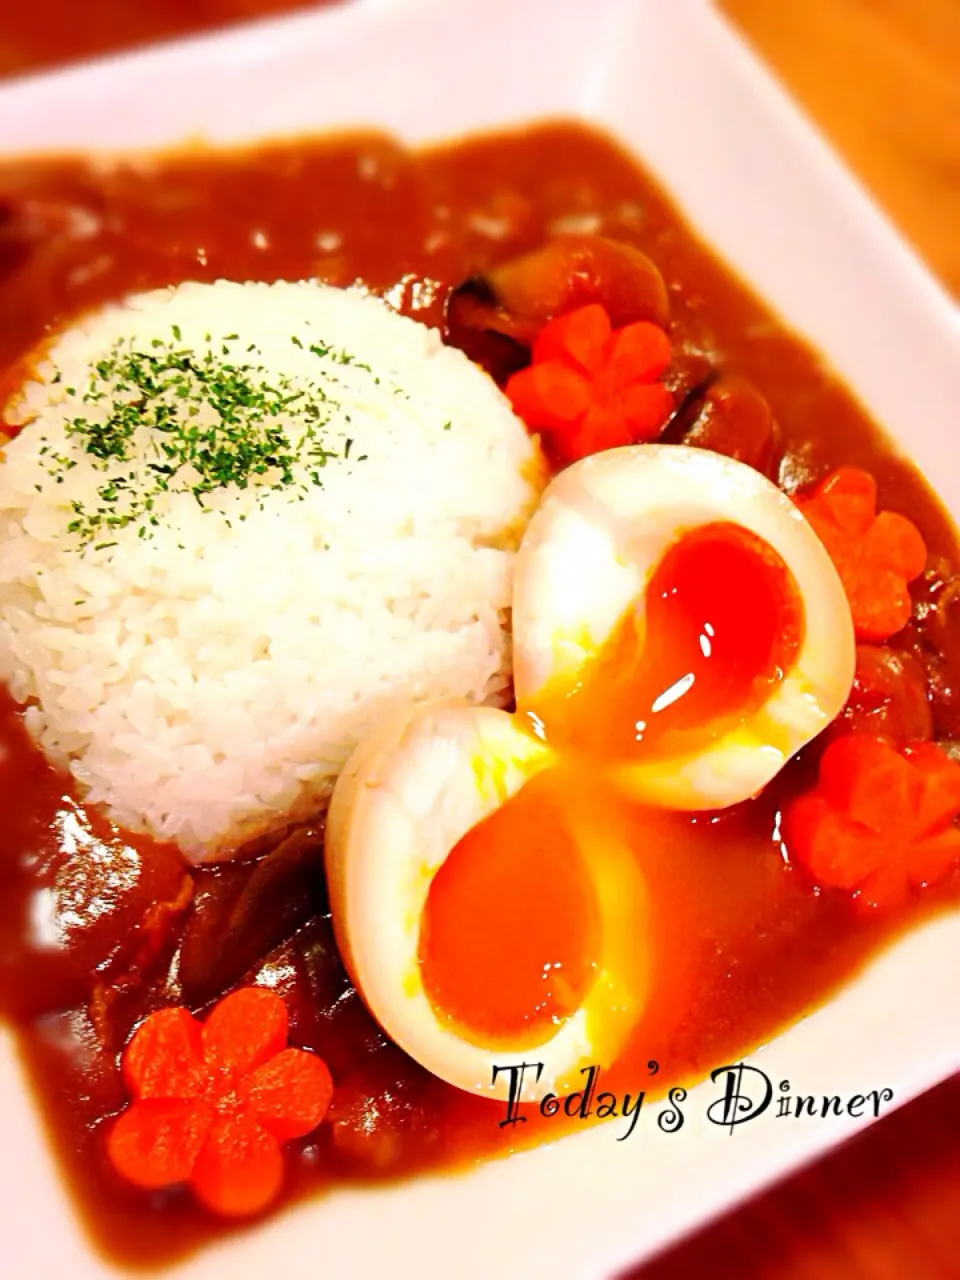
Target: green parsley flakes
point(172, 420)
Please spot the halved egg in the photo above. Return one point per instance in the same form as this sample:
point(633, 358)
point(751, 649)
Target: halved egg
point(679, 632)
point(676, 619)
point(484, 909)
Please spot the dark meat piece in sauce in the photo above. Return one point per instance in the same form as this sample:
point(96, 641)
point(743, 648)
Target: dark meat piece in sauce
point(729, 417)
point(81, 905)
point(494, 318)
point(243, 910)
point(889, 697)
point(932, 637)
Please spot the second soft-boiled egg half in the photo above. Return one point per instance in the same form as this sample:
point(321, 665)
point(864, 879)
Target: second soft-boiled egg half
point(679, 632)
point(480, 915)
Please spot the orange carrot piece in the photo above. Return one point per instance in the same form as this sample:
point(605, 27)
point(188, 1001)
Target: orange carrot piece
point(579, 338)
point(165, 1057)
point(897, 543)
point(599, 430)
point(886, 887)
point(291, 1093)
point(879, 820)
point(639, 414)
point(647, 410)
point(591, 388)
point(833, 850)
point(869, 781)
point(880, 602)
point(245, 1029)
point(932, 857)
point(849, 495)
point(156, 1143)
point(549, 396)
point(876, 556)
point(239, 1169)
point(230, 1092)
point(639, 352)
point(940, 800)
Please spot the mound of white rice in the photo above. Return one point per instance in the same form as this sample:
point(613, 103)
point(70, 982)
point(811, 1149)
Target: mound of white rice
point(238, 525)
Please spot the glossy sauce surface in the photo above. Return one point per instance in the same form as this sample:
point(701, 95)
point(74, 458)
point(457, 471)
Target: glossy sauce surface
point(740, 945)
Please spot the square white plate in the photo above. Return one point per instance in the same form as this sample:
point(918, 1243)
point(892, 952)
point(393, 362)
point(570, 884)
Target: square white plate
point(672, 82)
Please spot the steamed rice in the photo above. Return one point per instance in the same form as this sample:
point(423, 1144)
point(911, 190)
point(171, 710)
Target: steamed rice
point(204, 662)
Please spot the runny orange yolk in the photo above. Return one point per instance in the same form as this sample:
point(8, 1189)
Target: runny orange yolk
point(510, 934)
point(722, 625)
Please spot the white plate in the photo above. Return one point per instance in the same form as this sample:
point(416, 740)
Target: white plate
point(673, 83)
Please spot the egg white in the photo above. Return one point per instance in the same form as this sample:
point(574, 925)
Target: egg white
point(599, 534)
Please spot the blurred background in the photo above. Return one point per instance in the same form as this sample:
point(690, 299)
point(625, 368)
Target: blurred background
point(882, 80)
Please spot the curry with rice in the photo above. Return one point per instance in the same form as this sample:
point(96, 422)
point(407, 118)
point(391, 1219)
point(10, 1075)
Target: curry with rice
point(560, 269)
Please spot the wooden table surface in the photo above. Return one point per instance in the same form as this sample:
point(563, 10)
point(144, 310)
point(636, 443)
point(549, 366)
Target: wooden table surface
point(882, 79)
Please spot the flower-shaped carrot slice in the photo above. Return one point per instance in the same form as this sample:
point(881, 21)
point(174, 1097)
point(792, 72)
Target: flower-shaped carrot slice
point(590, 387)
point(156, 1143)
point(239, 1168)
point(879, 821)
point(876, 555)
point(245, 1030)
point(214, 1102)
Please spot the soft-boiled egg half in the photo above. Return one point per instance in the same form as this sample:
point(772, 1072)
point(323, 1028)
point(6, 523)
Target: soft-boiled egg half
point(676, 617)
point(679, 632)
point(480, 916)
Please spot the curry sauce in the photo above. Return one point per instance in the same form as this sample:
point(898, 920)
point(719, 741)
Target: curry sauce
point(98, 928)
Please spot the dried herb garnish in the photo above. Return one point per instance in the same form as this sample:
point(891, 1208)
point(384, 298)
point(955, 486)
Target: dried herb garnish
point(186, 422)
